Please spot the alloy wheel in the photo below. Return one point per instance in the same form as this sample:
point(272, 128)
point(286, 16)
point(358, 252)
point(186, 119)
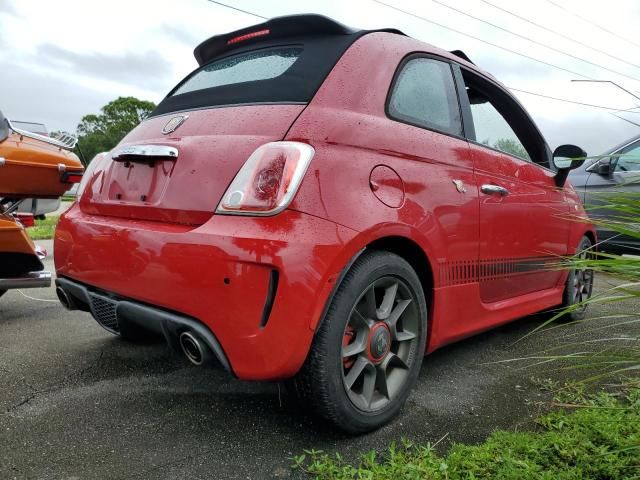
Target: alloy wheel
point(379, 343)
point(582, 282)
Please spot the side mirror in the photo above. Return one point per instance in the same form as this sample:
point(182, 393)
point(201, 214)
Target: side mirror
point(565, 159)
point(4, 128)
point(602, 167)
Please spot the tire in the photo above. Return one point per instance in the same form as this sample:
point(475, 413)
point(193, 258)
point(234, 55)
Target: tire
point(366, 355)
point(579, 285)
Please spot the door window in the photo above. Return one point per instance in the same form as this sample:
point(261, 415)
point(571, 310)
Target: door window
point(424, 94)
point(492, 129)
point(629, 160)
point(501, 123)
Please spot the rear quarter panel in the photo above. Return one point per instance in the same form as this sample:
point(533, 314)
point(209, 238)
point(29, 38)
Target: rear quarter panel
point(347, 125)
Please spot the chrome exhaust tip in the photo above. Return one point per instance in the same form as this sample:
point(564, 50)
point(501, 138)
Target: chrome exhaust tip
point(193, 348)
point(65, 300)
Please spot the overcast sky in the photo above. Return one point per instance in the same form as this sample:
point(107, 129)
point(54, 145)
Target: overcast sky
point(61, 60)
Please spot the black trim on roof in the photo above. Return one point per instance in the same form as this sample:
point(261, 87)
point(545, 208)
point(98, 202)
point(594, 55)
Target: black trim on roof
point(323, 42)
point(307, 24)
point(462, 55)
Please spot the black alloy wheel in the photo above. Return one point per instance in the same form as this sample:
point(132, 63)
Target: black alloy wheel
point(367, 352)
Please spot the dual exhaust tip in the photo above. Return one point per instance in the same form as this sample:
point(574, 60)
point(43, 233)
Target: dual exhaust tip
point(192, 346)
point(196, 351)
point(66, 301)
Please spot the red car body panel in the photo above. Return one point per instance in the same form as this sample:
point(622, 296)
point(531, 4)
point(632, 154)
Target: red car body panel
point(188, 189)
point(183, 269)
point(372, 178)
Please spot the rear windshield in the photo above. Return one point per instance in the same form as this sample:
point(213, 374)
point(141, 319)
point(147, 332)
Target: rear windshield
point(245, 67)
point(286, 70)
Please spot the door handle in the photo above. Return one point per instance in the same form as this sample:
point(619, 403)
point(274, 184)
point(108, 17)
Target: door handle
point(493, 189)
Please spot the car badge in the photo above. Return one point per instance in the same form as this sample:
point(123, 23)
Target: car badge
point(173, 124)
point(460, 186)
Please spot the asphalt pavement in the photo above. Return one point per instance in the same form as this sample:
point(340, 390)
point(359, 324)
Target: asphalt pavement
point(76, 402)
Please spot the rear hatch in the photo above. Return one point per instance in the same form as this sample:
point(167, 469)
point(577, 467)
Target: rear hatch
point(251, 86)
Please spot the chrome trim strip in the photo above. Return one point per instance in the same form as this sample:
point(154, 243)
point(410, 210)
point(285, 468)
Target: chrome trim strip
point(29, 280)
point(65, 141)
point(145, 151)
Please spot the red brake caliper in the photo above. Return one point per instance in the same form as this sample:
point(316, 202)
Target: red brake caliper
point(349, 337)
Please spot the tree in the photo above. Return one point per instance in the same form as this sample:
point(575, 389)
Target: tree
point(511, 146)
point(102, 132)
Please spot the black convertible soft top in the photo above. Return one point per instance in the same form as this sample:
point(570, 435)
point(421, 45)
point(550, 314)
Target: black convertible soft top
point(321, 42)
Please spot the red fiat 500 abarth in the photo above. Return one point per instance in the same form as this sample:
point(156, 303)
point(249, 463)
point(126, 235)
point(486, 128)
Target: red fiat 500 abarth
point(325, 205)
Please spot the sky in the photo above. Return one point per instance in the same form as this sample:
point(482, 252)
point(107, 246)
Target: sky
point(65, 59)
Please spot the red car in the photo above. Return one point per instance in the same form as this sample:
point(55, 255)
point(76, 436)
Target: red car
point(325, 205)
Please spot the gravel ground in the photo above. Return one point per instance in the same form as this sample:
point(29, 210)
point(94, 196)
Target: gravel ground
point(76, 402)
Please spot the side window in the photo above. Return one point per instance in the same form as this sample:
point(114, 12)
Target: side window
point(629, 161)
point(491, 126)
point(424, 94)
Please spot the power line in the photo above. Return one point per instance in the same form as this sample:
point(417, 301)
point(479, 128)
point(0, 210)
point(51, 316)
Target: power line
point(238, 9)
point(572, 101)
point(592, 23)
point(612, 83)
point(524, 37)
point(626, 120)
point(489, 43)
point(560, 34)
point(628, 110)
point(478, 39)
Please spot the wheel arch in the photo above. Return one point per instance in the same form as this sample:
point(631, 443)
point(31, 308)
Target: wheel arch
point(410, 251)
point(406, 248)
point(591, 235)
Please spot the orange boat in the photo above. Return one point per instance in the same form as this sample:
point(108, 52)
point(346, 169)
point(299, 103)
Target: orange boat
point(31, 166)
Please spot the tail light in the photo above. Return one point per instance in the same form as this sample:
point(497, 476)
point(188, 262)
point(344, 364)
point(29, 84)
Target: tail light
point(268, 181)
point(72, 177)
point(26, 219)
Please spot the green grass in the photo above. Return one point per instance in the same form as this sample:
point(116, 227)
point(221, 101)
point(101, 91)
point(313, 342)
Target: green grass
point(43, 229)
point(597, 440)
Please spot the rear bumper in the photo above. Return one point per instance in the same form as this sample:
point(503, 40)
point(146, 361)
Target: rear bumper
point(130, 312)
point(258, 285)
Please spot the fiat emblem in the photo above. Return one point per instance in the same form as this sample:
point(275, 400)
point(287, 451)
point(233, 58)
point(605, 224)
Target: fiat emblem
point(173, 124)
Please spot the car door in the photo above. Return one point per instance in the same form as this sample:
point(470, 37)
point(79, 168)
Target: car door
point(622, 176)
point(523, 224)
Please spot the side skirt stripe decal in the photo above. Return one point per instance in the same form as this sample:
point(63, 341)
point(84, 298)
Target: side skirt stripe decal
point(470, 271)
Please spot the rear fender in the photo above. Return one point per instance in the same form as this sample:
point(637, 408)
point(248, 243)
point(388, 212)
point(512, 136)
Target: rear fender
point(353, 250)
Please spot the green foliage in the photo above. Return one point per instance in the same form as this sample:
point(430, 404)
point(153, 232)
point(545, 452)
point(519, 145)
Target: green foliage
point(43, 229)
point(602, 355)
point(102, 132)
point(599, 441)
point(508, 145)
